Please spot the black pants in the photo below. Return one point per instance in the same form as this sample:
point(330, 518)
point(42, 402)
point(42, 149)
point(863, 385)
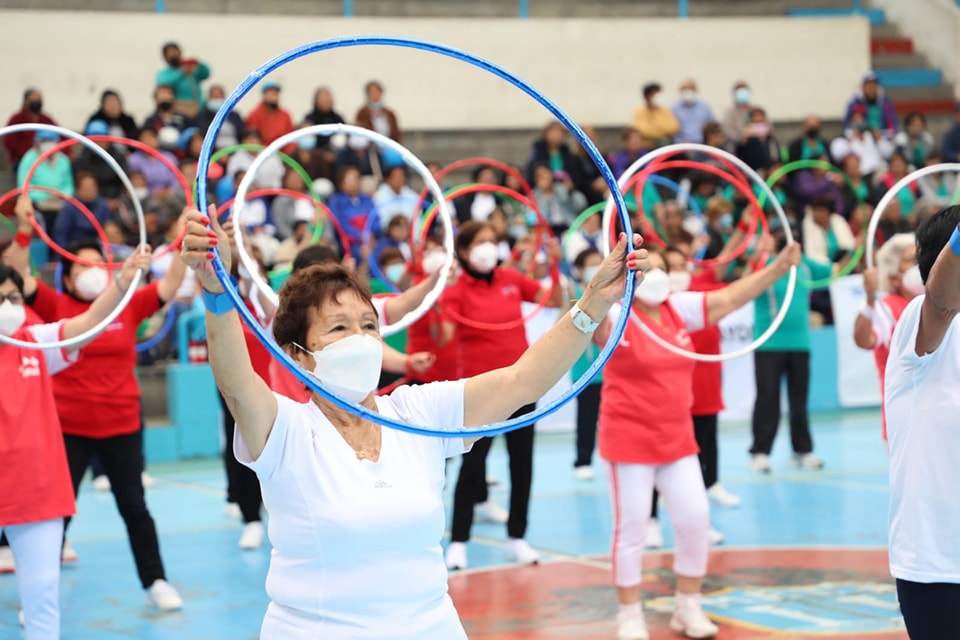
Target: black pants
point(472, 483)
point(122, 459)
point(243, 487)
point(588, 411)
point(705, 431)
point(930, 611)
point(771, 367)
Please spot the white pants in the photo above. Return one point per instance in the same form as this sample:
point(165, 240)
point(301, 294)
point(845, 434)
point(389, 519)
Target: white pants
point(680, 485)
point(36, 552)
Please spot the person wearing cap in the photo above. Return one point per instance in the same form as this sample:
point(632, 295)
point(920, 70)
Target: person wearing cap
point(111, 113)
point(375, 116)
point(55, 172)
point(31, 112)
point(111, 186)
point(653, 119)
point(269, 118)
point(881, 117)
point(737, 116)
point(184, 77)
point(950, 147)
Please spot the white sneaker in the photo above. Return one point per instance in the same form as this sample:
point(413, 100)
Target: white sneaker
point(690, 620)
point(492, 481)
point(654, 539)
point(490, 511)
point(584, 472)
point(67, 554)
point(101, 483)
point(719, 494)
point(715, 536)
point(806, 461)
point(522, 552)
point(252, 537)
point(760, 462)
point(21, 619)
point(147, 480)
point(7, 565)
point(232, 510)
point(631, 626)
point(163, 596)
point(456, 556)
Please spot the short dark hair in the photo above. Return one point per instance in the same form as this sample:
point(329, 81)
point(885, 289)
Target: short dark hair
point(107, 93)
point(372, 83)
point(28, 91)
point(315, 254)
point(75, 248)
point(468, 233)
point(932, 236)
point(169, 45)
point(581, 258)
point(308, 289)
point(650, 89)
point(9, 273)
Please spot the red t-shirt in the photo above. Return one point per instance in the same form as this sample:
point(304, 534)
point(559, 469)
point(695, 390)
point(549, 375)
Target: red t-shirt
point(99, 397)
point(34, 476)
point(888, 310)
point(420, 337)
point(647, 391)
point(707, 376)
point(495, 302)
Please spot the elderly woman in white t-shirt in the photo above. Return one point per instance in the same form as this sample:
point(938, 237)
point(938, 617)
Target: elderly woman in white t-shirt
point(356, 510)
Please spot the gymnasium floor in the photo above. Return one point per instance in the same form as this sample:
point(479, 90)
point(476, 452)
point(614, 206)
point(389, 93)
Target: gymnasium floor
point(804, 555)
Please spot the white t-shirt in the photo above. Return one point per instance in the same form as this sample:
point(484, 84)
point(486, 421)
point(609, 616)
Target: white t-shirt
point(356, 544)
point(922, 405)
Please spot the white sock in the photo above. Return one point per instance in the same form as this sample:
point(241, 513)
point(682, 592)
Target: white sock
point(631, 610)
point(688, 599)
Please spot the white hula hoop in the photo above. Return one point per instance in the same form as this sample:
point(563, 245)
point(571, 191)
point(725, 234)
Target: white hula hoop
point(132, 289)
point(771, 198)
point(408, 157)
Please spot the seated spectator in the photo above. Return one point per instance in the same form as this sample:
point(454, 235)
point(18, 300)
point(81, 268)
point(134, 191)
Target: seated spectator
point(478, 206)
point(897, 169)
point(190, 144)
point(672, 222)
point(269, 118)
point(815, 183)
point(854, 193)
point(317, 162)
point(587, 176)
point(632, 150)
point(893, 221)
point(858, 139)
point(718, 215)
point(915, 142)
point(299, 239)
point(872, 101)
point(393, 266)
point(165, 115)
point(940, 187)
point(397, 237)
point(692, 113)
point(551, 149)
point(810, 143)
point(73, 226)
point(324, 113)
point(359, 155)
point(826, 235)
point(950, 147)
point(161, 182)
point(233, 125)
point(394, 196)
point(373, 115)
point(557, 199)
point(737, 117)
point(184, 76)
point(111, 186)
point(351, 207)
point(119, 123)
point(269, 175)
point(655, 122)
point(288, 211)
point(55, 172)
point(758, 146)
point(586, 237)
point(31, 112)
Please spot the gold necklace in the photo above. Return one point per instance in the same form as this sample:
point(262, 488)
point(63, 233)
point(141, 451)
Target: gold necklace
point(360, 451)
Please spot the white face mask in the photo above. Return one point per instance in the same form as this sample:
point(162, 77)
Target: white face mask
point(911, 281)
point(483, 257)
point(12, 317)
point(46, 145)
point(689, 96)
point(142, 193)
point(654, 289)
point(433, 260)
point(350, 367)
point(679, 281)
point(91, 283)
point(656, 101)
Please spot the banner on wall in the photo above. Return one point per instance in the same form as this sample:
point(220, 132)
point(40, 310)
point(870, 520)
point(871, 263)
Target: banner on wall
point(739, 389)
point(857, 381)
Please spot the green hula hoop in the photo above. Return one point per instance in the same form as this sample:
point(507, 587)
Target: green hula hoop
point(813, 163)
point(8, 223)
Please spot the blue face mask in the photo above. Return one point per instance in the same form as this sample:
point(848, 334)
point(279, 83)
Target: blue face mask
point(395, 271)
point(375, 105)
point(726, 221)
point(307, 143)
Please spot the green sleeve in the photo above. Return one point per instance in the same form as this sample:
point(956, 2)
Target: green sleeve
point(169, 77)
point(818, 270)
point(202, 72)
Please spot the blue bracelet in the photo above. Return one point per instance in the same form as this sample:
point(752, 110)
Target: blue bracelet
point(217, 303)
point(955, 241)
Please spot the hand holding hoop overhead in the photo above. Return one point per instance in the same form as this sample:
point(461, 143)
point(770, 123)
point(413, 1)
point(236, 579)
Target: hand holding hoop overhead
point(198, 244)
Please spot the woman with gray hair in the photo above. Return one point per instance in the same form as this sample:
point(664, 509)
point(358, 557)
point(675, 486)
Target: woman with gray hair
point(890, 286)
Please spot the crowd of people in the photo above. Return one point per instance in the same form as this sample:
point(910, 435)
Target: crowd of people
point(514, 254)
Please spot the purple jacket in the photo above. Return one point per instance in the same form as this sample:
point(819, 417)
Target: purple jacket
point(808, 187)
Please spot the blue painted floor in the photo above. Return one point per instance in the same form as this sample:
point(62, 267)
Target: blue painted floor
point(844, 505)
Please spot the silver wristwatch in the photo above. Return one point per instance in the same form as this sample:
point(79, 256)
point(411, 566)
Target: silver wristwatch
point(581, 320)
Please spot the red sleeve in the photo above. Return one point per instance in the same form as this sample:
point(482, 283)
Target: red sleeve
point(253, 120)
point(46, 302)
point(452, 300)
point(529, 288)
point(146, 302)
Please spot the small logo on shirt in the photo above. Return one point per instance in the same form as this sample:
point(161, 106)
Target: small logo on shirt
point(380, 484)
point(510, 290)
point(30, 367)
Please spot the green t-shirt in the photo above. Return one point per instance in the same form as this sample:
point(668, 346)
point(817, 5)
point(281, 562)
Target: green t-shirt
point(398, 340)
point(793, 334)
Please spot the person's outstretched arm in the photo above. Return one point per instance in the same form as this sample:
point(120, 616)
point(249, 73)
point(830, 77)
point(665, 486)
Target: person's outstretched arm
point(724, 301)
point(942, 300)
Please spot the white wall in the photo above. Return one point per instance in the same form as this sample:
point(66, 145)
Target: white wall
point(591, 68)
point(934, 26)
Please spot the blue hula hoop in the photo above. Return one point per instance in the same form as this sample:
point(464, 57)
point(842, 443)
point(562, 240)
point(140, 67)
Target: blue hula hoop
point(373, 262)
point(352, 41)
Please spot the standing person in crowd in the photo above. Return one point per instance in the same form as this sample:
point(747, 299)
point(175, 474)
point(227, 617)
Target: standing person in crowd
point(558, 200)
point(633, 148)
point(375, 116)
point(323, 113)
point(647, 436)
point(875, 104)
point(55, 173)
point(890, 286)
point(490, 294)
point(654, 120)
point(35, 478)
point(737, 116)
point(551, 149)
point(758, 146)
point(269, 118)
point(166, 114)
point(98, 399)
point(111, 186)
point(585, 267)
point(233, 125)
point(810, 143)
point(71, 225)
point(184, 77)
point(119, 123)
point(914, 141)
point(785, 354)
point(950, 145)
point(922, 405)
point(31, 112)
point(692, 113)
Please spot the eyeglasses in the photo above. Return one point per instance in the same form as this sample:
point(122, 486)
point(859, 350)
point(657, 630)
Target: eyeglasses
point(14, 298)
